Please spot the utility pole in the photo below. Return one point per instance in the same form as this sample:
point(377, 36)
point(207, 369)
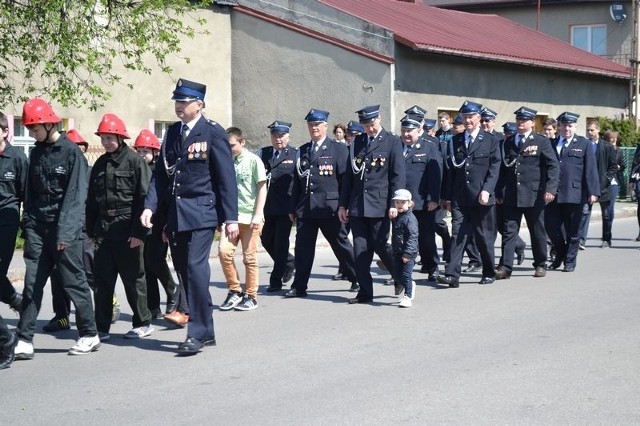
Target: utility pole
point(635, 76)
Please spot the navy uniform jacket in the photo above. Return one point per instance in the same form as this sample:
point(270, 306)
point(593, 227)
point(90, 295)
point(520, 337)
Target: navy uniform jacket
point(368, 193)
point(202, 193)
point(327, 167)
point(528, 172)
point(404, 235)
point(117, 187)
point(14, 167)
point(57, 187)
point(479, 172)
point(578, 172)
point(280, 175)
point(423, 165)
point(607, 168)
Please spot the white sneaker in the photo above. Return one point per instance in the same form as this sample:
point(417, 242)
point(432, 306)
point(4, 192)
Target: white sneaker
point(23, 350)
point(139, 332)
point(85, 345)
point(405, 302)
point(413, 289)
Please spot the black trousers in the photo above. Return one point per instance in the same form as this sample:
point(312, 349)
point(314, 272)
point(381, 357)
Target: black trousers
point(535, 222)
point(41, 256)
point(500, 227)
point(190, 252)
point(442, 230)
point(157, 269)
point(113, 258)
point(9, 221)
point(59, 299)
point(370, 234)
point(562, 222)
point(275, 240)
point(470, 247)
point(480, 222)
point(306, 237)
point(427, 239)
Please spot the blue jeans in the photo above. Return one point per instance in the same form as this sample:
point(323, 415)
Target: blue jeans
point(402, 273)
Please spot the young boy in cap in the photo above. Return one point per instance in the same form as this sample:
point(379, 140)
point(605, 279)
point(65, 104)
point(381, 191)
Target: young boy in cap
point(404, 241)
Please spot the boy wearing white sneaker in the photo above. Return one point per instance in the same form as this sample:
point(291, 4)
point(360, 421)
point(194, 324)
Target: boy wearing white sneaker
point(404, 241)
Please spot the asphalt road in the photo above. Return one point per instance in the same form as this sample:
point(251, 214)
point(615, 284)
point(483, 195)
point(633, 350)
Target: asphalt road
point(555, 351)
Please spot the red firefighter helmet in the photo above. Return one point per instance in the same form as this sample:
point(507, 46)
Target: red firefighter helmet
point(75, 137)
point(146, 139)
point(38, 111)
point(112, 124)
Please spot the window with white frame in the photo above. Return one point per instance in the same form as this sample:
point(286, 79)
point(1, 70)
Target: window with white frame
point(592, 38)
point(160, 128)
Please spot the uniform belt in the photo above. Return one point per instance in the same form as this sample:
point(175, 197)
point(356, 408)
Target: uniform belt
point(117, 212)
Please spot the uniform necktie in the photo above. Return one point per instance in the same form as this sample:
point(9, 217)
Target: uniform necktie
point(520, 139)
point(469, 142)
point(276, 154)
point(370, 139)
point(407, 150)
point(183, 133)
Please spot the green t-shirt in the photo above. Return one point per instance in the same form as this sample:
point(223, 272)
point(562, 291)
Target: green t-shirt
point(249, 172)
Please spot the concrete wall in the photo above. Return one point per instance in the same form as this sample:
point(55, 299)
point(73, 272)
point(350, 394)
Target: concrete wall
point(439, 82)
point(151, 97)
point(280, 74)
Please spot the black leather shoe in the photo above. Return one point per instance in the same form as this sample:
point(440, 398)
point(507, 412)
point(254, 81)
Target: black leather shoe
point(449, 280)
point(209, 341)
point(487, 280)
point(288, 274)
point(397, 288)
point(171, 305)
point(540, 272)
point(7, 354)
point(273, 289)
point(295, 293)
point(557, 262)
point(338, 277)
point(502, 274)
point(390, 281)
point(191, 346)
point(569, 268)
point(16, 302)
point(433, 276)
point(520, 257)
point(355, 287)
point(357, 300)
point(472, 268)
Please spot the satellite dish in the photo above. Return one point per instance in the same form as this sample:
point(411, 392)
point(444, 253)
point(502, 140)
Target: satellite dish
point(618, 12)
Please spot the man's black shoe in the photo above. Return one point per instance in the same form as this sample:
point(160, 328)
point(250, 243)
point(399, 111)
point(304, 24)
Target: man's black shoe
point(390, 281)
point(569, 268)
point(472, 268)
point(487, 280)
point(191, 346)
point(449, 280)
point(7, 354)
point(502, 273)
point(338, 277)
point(397, 288)
point(273, 289)
point(520, 257)
point(16, 302)
point(357, 300)
point(288, 274)
point(557, 262)
point(433, 276)
point(355, 287)
point(295, 293)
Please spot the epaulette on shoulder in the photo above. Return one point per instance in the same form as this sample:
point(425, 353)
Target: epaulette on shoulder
point(213, 123)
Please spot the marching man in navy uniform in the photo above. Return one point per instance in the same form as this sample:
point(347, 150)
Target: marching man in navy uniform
point(528, 182)
point(376, 172)
point(279, 161)
point(423, 164)
point(320, 172)
point(473, 174)
point(578, 185)
point(196, 178)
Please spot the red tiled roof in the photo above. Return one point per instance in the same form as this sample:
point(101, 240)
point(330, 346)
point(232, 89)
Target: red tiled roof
point(489, 37)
